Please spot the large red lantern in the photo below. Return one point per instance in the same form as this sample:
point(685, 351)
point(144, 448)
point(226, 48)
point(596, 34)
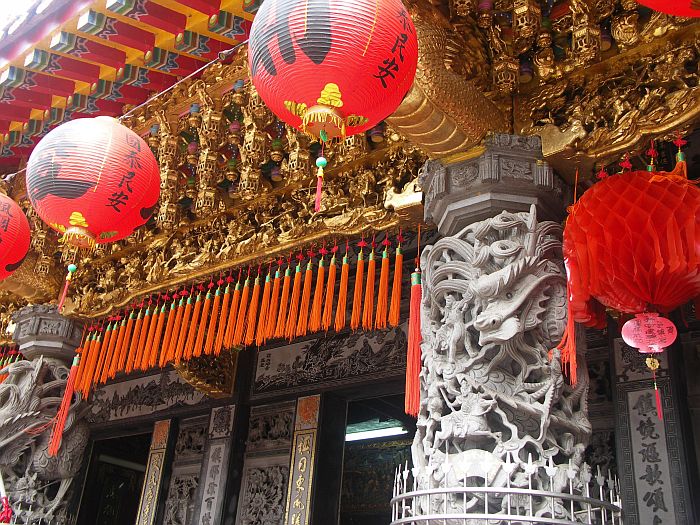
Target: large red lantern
point(14, 236)
point(632, 244)
point(333, 68)
point(93, 180)
point(674, 7)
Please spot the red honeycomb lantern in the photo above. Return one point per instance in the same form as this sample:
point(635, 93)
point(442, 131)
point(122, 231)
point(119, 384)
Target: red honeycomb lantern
point(336, 67)
point(632, 243)
point(14, 236)
point(674, 7)
point(93, 180)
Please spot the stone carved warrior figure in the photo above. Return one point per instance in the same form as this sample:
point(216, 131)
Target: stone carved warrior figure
point(494, 403)
point(29, 398)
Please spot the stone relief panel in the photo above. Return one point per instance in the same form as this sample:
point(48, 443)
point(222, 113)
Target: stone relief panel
point(328, 361)
point(179, 507)
point(263, 492)
point(270, 428)
point(141, 397)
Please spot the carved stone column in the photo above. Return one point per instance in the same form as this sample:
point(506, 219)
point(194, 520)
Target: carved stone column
point(29, 398)
point(153, 479)
point(496, 409)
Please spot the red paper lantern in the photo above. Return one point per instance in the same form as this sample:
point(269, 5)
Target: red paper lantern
point(632, 243)
point(14, 236)
point(93, 180)
point(339, 67)
point(674, 7)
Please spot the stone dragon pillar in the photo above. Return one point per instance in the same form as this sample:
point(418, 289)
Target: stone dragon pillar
point(30, 394)
point(496, 410)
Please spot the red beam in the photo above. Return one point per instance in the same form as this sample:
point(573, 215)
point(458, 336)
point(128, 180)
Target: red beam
point(150, 13)
point(26, 98)
point(82, 48)
point(113, 30)
point(50, 63)
point(36, 82)
point(14, 113)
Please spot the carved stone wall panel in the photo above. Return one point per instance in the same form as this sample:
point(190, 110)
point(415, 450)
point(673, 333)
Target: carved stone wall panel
point(215, 467)
point(270, 428)
point(144, 396)
point(650, 452)
point(263, 491)
point(332, 360)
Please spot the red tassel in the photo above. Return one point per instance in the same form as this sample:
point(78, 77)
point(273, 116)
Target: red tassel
point(192, 330)
point(271, 322)
point(282, 313)
point(253, 313)
point(293, 312)
point(303, 318)
point(368, 307)
point(340, 311)
point(226, 304)
point(330, 292)
point(413, 358)
point(202, 331)
point(165, 356)
point(383, 293)
point(241, 317)
point(395, 309)
point(319, 190)
point(184, 330)
point(264, 310)
point(356, 314)
point(233, 313)
point(567, 346)
point(213, 318)
point(315, 317)
point(62, 416)
point(6, 511)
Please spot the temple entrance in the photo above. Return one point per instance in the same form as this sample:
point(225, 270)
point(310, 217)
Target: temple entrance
point(115, 477)
point(378, 437)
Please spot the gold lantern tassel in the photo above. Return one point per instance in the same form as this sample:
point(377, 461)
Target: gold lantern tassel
point(226, 305)
point(303, 317)
point(282, 313)
point(368, 307)
point(395, 309)
point(233, 312)
point(330, 293)
point(204, 316)
point(241, 317)
point(213, 319)
point(253, 312)
point(185, 328)
point(194, 323)
point(383, 293)
point(317, 308)
point(290, 327)
point(165, 356)
point(356, 315)
point(274, 303)
point(340, 311)
point(264, 309)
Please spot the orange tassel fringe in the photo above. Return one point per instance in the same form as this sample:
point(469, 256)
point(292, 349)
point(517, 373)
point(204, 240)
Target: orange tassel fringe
point(192, 328)
point(368, 307)
point(226, 304)
point(184, 330)
point(253, 313)
point(290, 327)
point(260, 337)
point(315, 318)
point(383, 293)
point(282, 314)
point(211, 332)
point(330, 292)
point(241, 317)
point(303, 317)
point(340, 311)
point(233, 314)
point(356, 315)
point(202, 331)
point(165, 356)
point(271, 322)
point(395, 309)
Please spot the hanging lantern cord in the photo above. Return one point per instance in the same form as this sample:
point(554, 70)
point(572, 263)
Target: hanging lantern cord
point(321, 163)
point(71, 270)
point(653, 365)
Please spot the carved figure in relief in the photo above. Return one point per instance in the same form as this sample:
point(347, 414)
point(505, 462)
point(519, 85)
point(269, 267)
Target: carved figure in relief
point(494, 305)
point(29, 398)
